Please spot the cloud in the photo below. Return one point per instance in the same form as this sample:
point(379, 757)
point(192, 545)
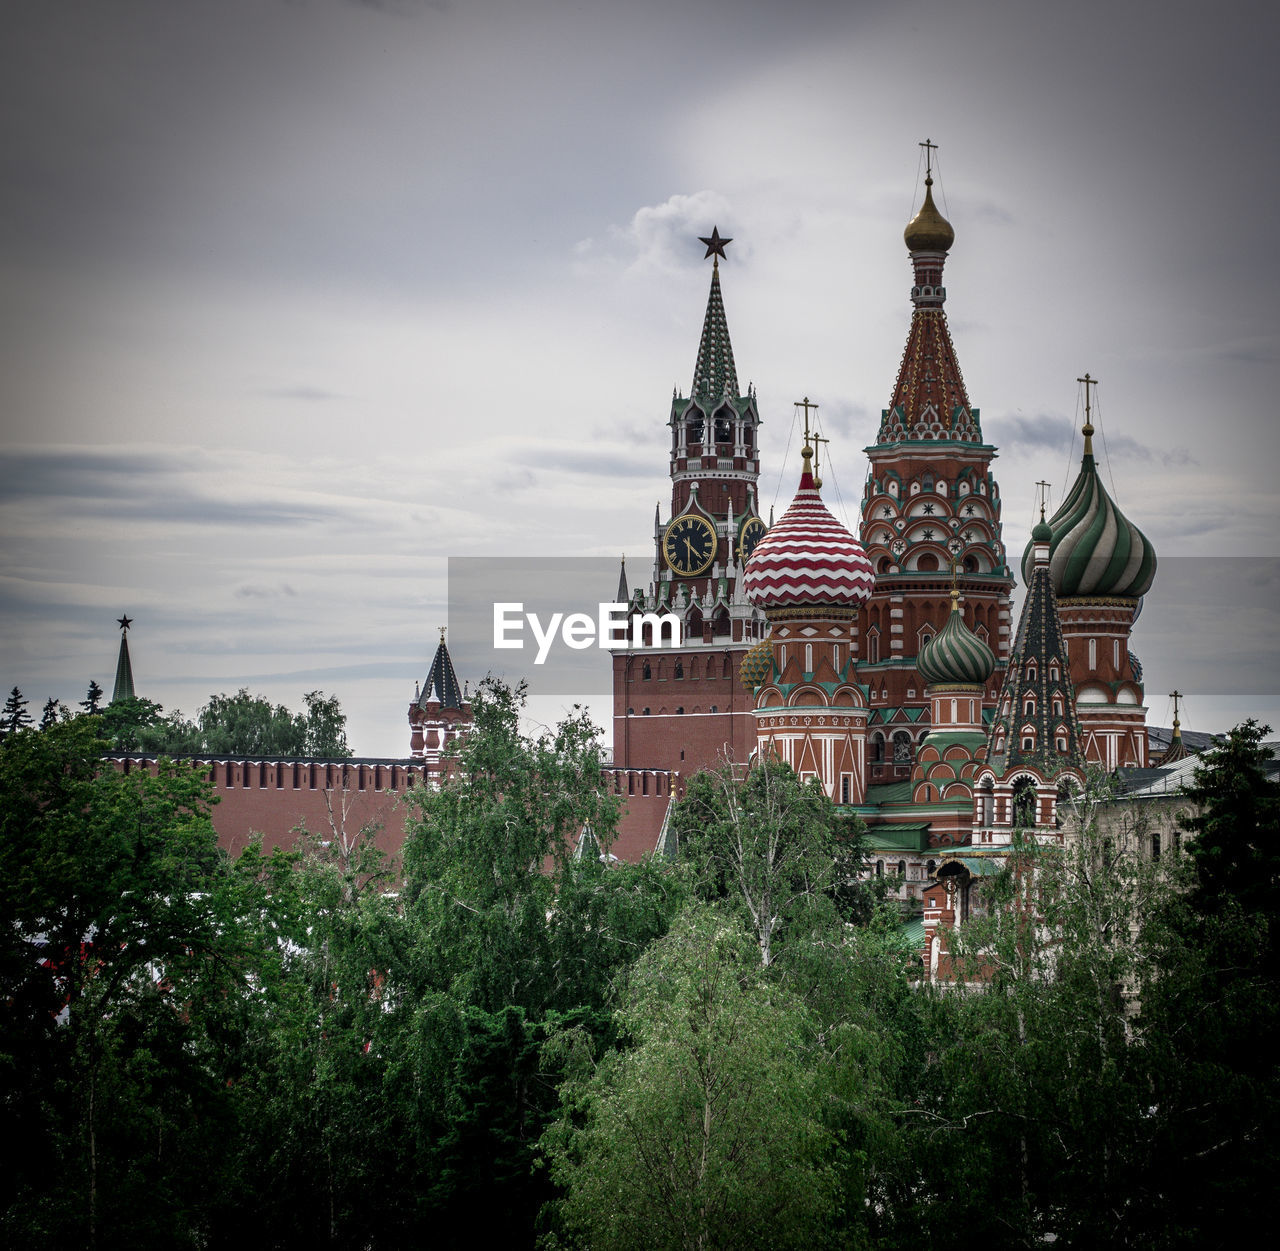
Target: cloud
point(1041, 432)
point(661, 237)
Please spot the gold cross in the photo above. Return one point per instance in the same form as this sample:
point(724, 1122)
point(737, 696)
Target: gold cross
point(442, 630)
point(806, 405)
point(929, 149)
point(1175, 696)
point(1088, 395)
point(1044, 497)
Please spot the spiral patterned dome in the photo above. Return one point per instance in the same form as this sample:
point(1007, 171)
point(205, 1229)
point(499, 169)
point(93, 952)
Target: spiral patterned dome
point(757, 665)
point(955, 655)
point(1095, 549)
point(808, 557)
point(928, 230)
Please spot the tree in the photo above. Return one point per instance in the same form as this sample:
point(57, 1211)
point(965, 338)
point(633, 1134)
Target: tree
point(93, 700)
point(325, 726)
point(773, 844)
point(704, 1131)
point(125, 723)
point(15, 716)
point(127, 954)
point(51, 712)
point(1210, 1011)
point(484, 853)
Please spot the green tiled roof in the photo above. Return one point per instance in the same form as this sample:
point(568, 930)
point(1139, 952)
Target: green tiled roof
point(899, 837)
point(889, 793)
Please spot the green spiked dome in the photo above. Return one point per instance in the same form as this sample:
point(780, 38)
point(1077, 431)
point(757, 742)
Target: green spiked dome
point(955, 655)
point(757, 665)
point(1094, 549)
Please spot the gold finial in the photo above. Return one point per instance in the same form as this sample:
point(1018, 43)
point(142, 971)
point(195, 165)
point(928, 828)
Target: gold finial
point(955, 587)
point(1088, 412)
point(1043, 492)
point(928, 230)
point(442, 630)
point(1175, 696)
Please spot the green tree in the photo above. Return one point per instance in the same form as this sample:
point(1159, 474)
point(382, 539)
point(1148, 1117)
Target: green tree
point(15, 716)
point(774, 845)
point(93, 699)
point(50, 713)
point(704, 1131)
point(1210, 1010)
point(124, 983)
point(484, 854)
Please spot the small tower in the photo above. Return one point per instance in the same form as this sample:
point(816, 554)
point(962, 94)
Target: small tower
point(955, 665)
point(1033, 749)
point(810, 576)
point(439, 710)
point(123, 688)
point(1101, 566)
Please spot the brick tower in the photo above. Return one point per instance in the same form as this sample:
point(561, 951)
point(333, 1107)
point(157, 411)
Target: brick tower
point(684, 709)
point(930, 501)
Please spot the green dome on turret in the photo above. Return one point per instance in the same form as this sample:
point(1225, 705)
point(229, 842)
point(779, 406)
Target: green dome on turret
point(1094, 549)
point(955, 655)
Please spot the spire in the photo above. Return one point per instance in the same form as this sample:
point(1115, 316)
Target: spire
point(715, 376)
point(124, 668)
point(929, 397)
point(1177, 749)
point(623, 594)
point(441, 682)
point(1035, 723)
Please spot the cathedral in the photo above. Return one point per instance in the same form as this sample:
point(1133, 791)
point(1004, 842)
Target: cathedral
point(885, 664)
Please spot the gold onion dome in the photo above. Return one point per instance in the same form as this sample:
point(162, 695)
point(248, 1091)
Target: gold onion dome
point(757, 665)
point(928, 230)
point(955, 655)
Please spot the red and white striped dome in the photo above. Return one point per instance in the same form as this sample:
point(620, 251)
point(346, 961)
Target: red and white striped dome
point(808, 558)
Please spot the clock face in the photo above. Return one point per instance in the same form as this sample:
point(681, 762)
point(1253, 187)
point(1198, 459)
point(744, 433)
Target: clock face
point(689, 544)
point(750, 533)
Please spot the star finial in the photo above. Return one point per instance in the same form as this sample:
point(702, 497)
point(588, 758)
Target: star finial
point(124, 623)
point(715, 244)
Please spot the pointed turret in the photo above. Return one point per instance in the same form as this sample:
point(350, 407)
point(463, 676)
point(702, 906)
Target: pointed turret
point(929, 397)
point(715, 377)
point(123, 688)
point(1035, 724)
point(623, 594)
point(440, 710)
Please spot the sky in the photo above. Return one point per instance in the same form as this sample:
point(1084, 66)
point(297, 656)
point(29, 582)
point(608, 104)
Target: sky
point(301, 298)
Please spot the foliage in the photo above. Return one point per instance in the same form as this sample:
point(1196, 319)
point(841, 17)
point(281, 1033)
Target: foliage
point(93, 699)
point(240, 724)
point(705, 1131)
point(123, 982)
point(774, 845)
point(15, 716)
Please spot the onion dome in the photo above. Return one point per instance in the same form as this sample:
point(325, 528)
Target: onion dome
point(1094, 549)
point(808, 557)
point(757, 665)
point(955, 655)
point(928, 230)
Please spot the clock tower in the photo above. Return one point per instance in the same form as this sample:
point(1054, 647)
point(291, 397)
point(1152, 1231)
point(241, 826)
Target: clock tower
point(683, 708)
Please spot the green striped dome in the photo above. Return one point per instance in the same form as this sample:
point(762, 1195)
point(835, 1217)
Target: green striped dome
point(955, 655)
point(757, 665)
point(1095, 550)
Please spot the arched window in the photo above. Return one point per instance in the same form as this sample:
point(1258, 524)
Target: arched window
point(646, 672)
point(902, 869)
point(1024, 803)
point(902, 747)
point(879, 868)
point(679, 669)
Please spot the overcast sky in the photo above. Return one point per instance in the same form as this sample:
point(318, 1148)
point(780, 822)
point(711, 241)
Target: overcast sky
point(298, 298)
